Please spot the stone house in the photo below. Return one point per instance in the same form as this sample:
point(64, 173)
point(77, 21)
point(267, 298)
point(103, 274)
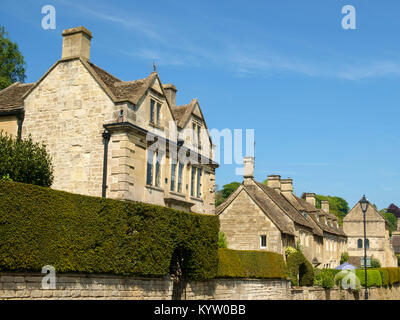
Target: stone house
point(378, 241)
point(125, 140)
point(259, 217)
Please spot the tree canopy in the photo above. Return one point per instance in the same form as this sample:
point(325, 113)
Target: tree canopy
point(338, 206)
point(225, 192)
point(394, 209)
point(12, 63)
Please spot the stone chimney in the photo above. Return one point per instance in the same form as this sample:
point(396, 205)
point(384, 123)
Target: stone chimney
point(325, 205)
point(274, 182)
point(170, 92)
point(310, 198)
point(76, 43)
point(248, 171)
point(286, 185)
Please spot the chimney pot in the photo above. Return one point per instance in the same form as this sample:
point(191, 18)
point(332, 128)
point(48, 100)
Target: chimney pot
point(310, 198)
point(76, 43)
point(274, 182)
point(170, 92)
point(325, 206)
point(287, 185)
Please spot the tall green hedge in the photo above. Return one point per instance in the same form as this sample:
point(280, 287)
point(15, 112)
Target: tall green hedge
point(74, 233)
point(250, 264)
point(300, 269)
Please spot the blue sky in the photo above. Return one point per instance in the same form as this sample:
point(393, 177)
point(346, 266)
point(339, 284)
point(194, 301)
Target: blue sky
point(323, 101)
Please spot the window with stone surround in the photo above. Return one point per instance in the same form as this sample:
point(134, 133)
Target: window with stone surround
point(153, 175)
point(263, 241)
point(176, 176)
point(155, 112)
point(195, 183)
point(359, 243)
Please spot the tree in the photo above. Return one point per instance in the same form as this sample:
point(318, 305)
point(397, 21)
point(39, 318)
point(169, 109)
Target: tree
point(24, 161)
point(391, 218)
point(344, 257)
point(338, 206)
point(227, 190)
point(394, 209)
point(12, 63)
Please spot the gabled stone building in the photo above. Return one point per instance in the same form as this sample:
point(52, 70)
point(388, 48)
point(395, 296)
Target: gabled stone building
point(378, 241)
point(114, 138)
point(259, 217)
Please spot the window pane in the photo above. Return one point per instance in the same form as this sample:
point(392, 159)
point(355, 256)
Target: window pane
point(359, 243)
point(158, 174)
point(152, 111)
point(150, 156)
point(198, 135)
point(192, 181)
point(180, 171)
point(198, 182)
point(367, 243)
point(263, 241)
point(194, 133)
point(158, 113)
point(173, 172)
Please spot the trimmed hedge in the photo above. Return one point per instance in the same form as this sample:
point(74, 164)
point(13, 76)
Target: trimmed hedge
point(74, 233)
point(373, 277)
point(250, 264)
point(300, 269)
point(377, 277)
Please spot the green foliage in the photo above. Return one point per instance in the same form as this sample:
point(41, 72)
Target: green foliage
point(12, 64)
point(228, 189)
point(25, 161)
point(338, 206)
point(250, 264)
point(373, 277)
point(6, 178)
point(394, 275)
point(324, 277)
point(300, 270)
point(74, 233)
point(222, 242)
point(375, 263)
point(344, 257)
point(289, 250)
point(391, 218)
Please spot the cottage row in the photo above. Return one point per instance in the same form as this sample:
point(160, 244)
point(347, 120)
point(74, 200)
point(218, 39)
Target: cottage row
point(101, 133)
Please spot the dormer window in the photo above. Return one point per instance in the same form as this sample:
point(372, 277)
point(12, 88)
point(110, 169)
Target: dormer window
point(196, 134)
point(305, 215)
point(155, 112)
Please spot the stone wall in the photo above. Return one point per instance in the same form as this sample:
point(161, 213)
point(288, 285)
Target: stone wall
point(85, 286)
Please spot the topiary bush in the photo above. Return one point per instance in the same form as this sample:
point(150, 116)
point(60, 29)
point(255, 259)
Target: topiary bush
point(74, 233)
point(300, 269)
point(250, 264)
point(25, 161)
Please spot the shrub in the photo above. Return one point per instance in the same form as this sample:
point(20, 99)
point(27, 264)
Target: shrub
point(74, 233)
point(289, 250)
point(374, 278)
point(375, 263)
point(250, 264)
point(323, 278)
point(25, 161)
point(393, 275)
point(300, 269)
point(222, 242)
point(344, 257)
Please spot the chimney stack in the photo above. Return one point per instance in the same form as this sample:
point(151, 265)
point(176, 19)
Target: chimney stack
point(325, 205)
point(76, 43)
point(248, 172)
point(286, 185)
point(274, 182)
point(170, 92)
point(310, 198)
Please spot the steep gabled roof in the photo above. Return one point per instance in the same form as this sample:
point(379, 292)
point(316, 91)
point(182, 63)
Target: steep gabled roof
point(11, 98)
point(313, 211)
point(281, 201)
point(130, 91)
point(273, 213)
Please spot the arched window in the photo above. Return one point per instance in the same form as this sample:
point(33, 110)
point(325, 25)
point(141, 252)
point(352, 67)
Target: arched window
point(367, 243)
point(359, 243)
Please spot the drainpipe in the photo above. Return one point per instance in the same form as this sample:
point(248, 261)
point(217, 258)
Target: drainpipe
point(20, 120)
point(106, 139)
